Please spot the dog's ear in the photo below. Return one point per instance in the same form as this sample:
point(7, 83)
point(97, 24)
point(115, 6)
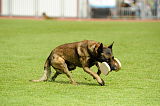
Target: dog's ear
point(100, 48)
point(110, 46)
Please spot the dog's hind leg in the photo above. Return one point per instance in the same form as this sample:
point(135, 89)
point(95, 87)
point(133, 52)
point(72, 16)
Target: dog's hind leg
point(55, 76)
point(59, 63)
point(47, 72)
point(67, 72)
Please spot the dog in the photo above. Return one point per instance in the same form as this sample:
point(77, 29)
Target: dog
point(84, 54)
point(45, 16)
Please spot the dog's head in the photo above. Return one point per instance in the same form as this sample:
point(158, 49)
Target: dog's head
point(106, 55)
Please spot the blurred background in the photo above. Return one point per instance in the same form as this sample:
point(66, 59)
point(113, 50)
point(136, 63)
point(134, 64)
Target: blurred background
point(111, 9)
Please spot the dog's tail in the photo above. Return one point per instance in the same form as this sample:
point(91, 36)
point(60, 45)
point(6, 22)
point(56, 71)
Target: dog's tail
point(47, 71)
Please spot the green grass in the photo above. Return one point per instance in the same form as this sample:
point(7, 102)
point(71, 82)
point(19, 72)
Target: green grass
point(25, 45)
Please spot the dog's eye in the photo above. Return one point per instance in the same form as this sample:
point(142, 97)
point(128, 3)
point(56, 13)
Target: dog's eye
point(113, 57)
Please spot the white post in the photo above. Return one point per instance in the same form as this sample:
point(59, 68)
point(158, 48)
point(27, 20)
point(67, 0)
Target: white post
point(36, 8)
point(10, 8)
point(77, 8)
point(62, 8)
point(158, 10)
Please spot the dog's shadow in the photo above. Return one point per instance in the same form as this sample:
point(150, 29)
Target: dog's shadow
point(78, 83)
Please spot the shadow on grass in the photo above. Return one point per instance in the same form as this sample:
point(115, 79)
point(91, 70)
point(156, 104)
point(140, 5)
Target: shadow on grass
point(79, 83)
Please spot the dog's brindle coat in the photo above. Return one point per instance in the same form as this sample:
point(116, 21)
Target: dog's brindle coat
point(85, 54)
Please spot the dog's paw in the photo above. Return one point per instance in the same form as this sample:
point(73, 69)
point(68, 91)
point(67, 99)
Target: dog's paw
point(102, 83)
point(74, 83)
point(51, 80)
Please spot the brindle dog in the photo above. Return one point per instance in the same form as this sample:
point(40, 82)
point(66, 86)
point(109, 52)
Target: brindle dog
point(85, 54)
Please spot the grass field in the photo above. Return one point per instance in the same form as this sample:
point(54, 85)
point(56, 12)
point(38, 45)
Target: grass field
point(25, 45)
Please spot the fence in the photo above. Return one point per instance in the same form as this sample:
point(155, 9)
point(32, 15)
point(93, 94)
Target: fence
point(55, 8)
point(143, 9)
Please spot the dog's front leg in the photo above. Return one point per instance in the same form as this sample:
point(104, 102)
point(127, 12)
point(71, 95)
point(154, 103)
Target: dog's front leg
point(95, 75)
point(99, 72)
point(84, 62)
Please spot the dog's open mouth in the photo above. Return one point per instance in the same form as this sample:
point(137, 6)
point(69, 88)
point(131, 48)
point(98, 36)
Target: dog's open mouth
point(105, 67)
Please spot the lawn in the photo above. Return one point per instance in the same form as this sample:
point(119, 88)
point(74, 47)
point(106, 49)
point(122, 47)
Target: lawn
point(25, 45)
